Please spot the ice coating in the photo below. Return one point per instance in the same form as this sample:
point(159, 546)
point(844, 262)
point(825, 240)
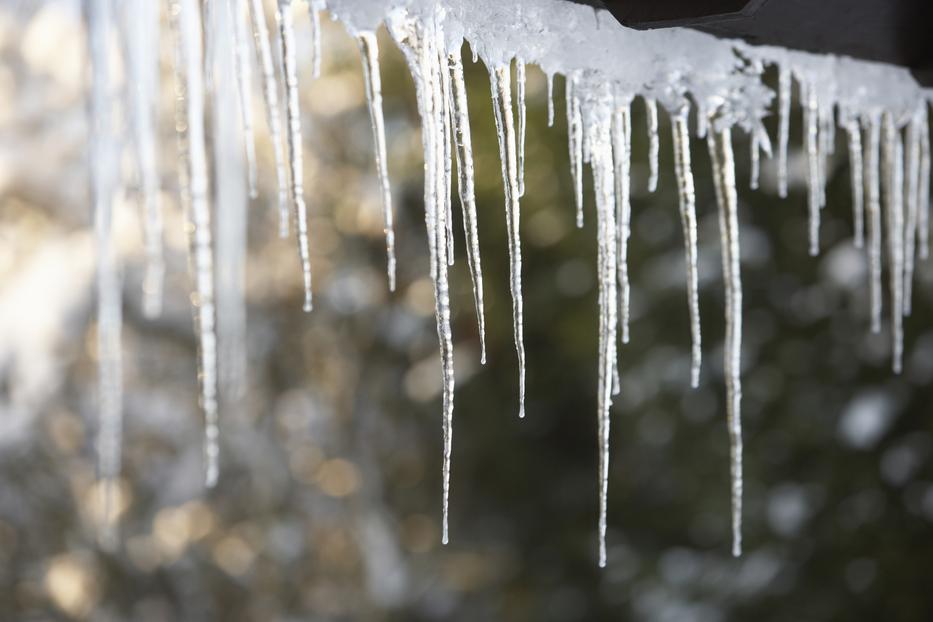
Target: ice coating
point(667, 67)
point(244, 81)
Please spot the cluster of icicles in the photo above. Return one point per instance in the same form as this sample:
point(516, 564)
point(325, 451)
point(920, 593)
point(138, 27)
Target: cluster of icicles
point(675, 68)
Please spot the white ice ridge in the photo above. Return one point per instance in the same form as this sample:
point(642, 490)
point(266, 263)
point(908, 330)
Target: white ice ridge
point(881, 109)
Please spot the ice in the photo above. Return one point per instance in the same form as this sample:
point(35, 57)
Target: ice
point(550, 100)
point(923, 213)
point(520, 96)
point(872, 161)
point(505, 127)
point(141, 42)
point(104, 153)
point(912, 170)
point(575, 140)
point(811, 120)
point(245, 90)
point(893, 152)
point(270, 94)
point(856, 167)
point(464, 151)
point(720, 148)
point(755, 168)
point(651, 110)
point(687, 197)
point(784, 86)
point(370, 55)
point(622, 153)
point(293, 114)
point(314, 12)
point(193, 159)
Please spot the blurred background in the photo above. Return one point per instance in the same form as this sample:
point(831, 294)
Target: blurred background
point(328, 506)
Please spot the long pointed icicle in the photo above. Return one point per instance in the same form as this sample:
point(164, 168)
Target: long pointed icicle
point(622, 153)
point(720, 148)
point(599, 136)
point(654, 146)
point(811, 127)
point(784, 87)
point(522, 113)
point(688, 219)
point(190, 108)
point(103, 160)
point(505, 126)
point(872, 161)
point(923, 214)
point(894, 220)
point(912, 170)
point(142, 46)
point(370, 54)
point(464, 151)
point(245, 91)
point(575, 141)
point(270, 93)
point(421, 54)
point(293, 114)
point(856, 168)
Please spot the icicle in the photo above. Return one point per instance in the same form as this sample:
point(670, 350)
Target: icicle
point(784, 85)
point(856, 167)
point(601, 148)
point(756, 162)
point(190, 123)
point(872, 148)
point(141, 41)
point(520, 96)
point(827, 143)
point(370, 53)
point(687, 195)
point(811, 125)
point(502, 104)
point(622, 152)
point(270, 92)
point(464, 144)
point(923, 213)
point(230, 199)
point(550, 100)
point(290, 71)
point(314, 9)
point(912, 170)
point(720, 148)
point(423, 61)
point(445, 113)
point(103, 160)
point(245, 91)
point(575, 139)
point(651, 108)
point(894, 220)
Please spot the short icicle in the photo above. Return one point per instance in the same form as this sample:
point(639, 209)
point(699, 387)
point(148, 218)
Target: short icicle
point(814, 183)
point(872, 161)
point(100, 22)
point(923, 213)
point(270, 90)
point(755, 168)
point(193, 157)
point(141, 33)
point(369, 51)
point(894, 220)
point(622, 154)
point(784, 87)
point(688, 220)
point(720, 148)
point(911, 203)
point(505, 127)
point(856, 168)
point(314, 12)
point(654, 146)
point(293, 114)
point(550, 100)
point(575, 141)
point(464, 152)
